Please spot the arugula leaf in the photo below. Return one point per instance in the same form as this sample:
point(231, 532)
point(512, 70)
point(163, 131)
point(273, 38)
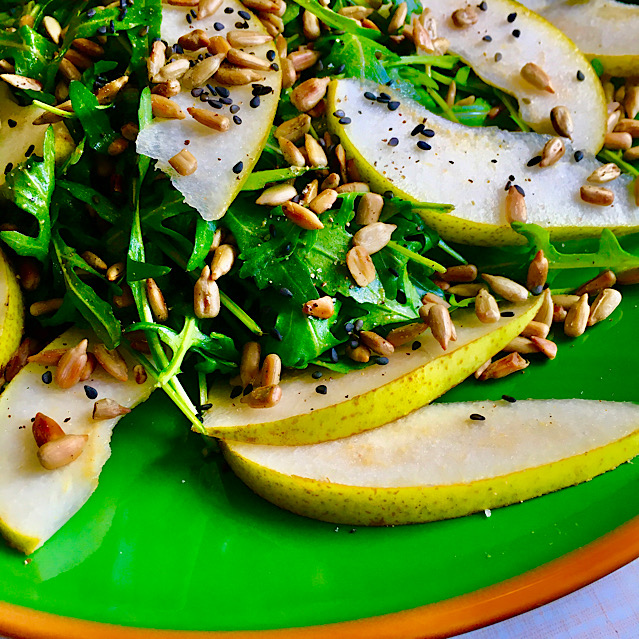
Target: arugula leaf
point(137, 271)
point(204, 233)
point(31, 52)
point(97, 312)
point(259, 179)
point(95, 122)
point(338, 21)
point(102, 205)
point(30, 187)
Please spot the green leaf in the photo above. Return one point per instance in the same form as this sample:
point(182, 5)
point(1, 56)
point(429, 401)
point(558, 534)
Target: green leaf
point(138, 271)
point(204, 233)
point(31, 52)
point(102, 204)
point(362, 58)
point(338, 21)
point(97, 312)
point(30, 187)
point(95, 122)
point(259, 179)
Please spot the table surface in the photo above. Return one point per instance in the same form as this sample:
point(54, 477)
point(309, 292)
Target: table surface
point(607, 609)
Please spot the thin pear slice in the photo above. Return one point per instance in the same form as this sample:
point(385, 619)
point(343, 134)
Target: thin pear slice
point(602, 29)
point(469, 168)
point(11, 311)
point(224, 159)
point(34, 502)
point(515, 43)
point(18, 133)
point(368, 398)
point(439, 462)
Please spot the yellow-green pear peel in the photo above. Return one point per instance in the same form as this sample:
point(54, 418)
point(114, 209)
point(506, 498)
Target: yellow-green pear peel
point(11, 311)
point(361, 400)
point(469, 168)
point(34, 502)
point(602, 29)
point(437, 463)
point(499, 61)
point(214, 184)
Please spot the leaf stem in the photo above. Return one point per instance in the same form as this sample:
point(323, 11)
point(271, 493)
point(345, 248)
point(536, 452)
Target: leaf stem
point(611, 156)
point(443, 105)
point(416, 257)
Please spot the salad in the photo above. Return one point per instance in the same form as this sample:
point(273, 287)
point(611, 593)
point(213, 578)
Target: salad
point(190, 199)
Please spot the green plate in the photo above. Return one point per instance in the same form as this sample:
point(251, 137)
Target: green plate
point(171, 539)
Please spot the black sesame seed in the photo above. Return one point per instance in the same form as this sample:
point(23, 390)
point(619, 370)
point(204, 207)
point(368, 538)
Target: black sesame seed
point(511, 17)
point(228, 10)
point(248, 389)
point(393, 106)
point(270, 55)
point(237, 119)
point(415, 345)
point(417, 130)
point(382, 361)
point(393, 271)
point(353, 343)
point(255, 102)
point(111, 26)
point(369, 96)
point(534, 161)
point(47, 377)
point(348, 327)
point(317, 374)
point(30, 150)
point(580, 76)
point(177, 48)
point(197, 92)
point(236, 391)
point(226, 101)
point(383, 97)
point(508, 185)
point(498, 56)
point(218, 26)
point(239, 167)
point(340, 69)
point(424, 146)
point(223, 92)
point(216, 104)
point(537, 289)
point(334, 356)
point(204, 96)
point(8, 168)
point(101, 30)
point(235, 108)
point(285, 292)
point(192, 12)
point(275, 334)
point(345, 120)
point(516, 33)
point(339, 113)
point(482, 6)
point(511, 178)
point(388, 195)
point(353, 530)
point(206, 406)
point(429, 133)
point(509, 398)
point(321, 389)
point(401, 297)
point(212, 89)
point(393, 142)
point(359, 324)
point(244, 15)
point(189, 18)
point(90, 392)
point(579, 156)
point(476, 417)
point(487, 38)
point(520, 190)
point(91, 13)
point(507, 314)
point(239, 25)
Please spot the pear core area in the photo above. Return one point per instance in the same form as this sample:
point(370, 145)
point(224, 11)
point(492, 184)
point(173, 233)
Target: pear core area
point(438, 463)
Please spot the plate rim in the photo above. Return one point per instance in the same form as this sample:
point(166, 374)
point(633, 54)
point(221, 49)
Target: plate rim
point(446, 618)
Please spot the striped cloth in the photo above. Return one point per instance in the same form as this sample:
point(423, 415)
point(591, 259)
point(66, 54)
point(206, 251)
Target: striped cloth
point(607, 609)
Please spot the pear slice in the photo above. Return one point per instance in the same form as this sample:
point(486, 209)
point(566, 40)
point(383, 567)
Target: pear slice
point(513, 44)
point(18, 133)
point(439, 462)
point(370, 397)
point(469, 168)
point(11, 311)
point(602, 29)
point(34, 502)
point(218, 177)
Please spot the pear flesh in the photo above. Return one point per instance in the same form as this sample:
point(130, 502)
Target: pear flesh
point(15, 140)
point(11, 311)
point(34, 502)
point(215, 182)
point(363, 399)
point(500, 60)
point(439, 462)
point(602, 29)
point(469, 168)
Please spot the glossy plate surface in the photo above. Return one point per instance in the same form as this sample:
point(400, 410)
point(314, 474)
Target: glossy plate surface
point(172, 540)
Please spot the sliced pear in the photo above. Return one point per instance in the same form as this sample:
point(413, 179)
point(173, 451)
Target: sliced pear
point(602, 29)
point(469, 168)
point(513, 44)
point(439, 462)
point(34, 502)
point(18, 133)
point(218, 177)
point(11, 311)
point(368, 398)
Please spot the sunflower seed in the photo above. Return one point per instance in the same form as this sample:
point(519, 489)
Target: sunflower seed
point(597, 195)
point(61, 452)
point(304, 59)
point(506, 288)
point(561, 121)
point(376, 343)
point(218, 45)
point(323, 201)
point(374, 237)
point(440, 324)
point(316, 155)
point(306, 95)
point(200, 74)
point(359, 353)
point(537, 272)
point(278, 194)
point(553, 150)
point(310, 25)
point(504, 366)
point(246, 61)
point(323, 307)
point(53, 28)
point(466, 17)
point(398, 19)
point(250, 364)
point(108, 409)
point(577, 317)
point(234, 76)
point(45, 307)
point(536, 77)
point(213, 121)
point(521, 345)
point(486, 307)
point(292, 155)
point(545, 312)
point(71, 365)
point(621, 141)
point(460, 273)
point(271, 370)
point(184, 162)
point(243, 38)
point(206, 8)
point(45, 429)
point(302, 216)
point(369, 208)
point(605, 173)
point(21, 82)
point(156, 59)
point(515, 206)
point(112, 362)
point(468, 289)
point(360, 266)
point(603, 306)
point(263, 397)
point(605, 279)
point(535, 329)
point(545, 346)
point(156, 300)
point(223, 260)
point(194, 40)
point(172, 71)
point(165, 108)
